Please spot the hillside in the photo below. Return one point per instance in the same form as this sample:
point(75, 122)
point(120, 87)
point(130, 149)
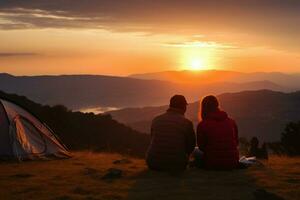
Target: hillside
point(80, 92)
point(261, 113)
point(80, 131)
point(81, 178)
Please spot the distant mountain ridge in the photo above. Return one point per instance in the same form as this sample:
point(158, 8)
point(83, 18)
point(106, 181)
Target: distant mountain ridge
point(77, 91)
point(186, 76)
point(216, 76)
point(86, 91)
point(262, 113)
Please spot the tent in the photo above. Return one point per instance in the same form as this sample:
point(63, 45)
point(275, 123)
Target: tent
point(23, 136)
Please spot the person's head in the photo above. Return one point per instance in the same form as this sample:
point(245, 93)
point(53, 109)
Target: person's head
point(178, 102)
point(209, 104)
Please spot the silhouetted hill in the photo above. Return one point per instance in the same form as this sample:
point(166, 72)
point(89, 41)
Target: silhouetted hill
point(81, 131)
point(86, 91)
point(261, 113)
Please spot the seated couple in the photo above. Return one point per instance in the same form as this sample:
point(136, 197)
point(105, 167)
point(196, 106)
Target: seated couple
point(173, 138)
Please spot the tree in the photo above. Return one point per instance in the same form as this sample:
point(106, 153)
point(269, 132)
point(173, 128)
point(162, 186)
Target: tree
point(290, 138)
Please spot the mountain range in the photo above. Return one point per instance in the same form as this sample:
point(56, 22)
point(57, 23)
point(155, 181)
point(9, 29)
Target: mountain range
point(89, 91)
point(287, 81)
point(80, 91)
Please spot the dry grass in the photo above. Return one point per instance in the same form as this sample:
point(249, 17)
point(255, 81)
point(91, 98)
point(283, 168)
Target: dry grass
point(81, 178)
point(280, 175)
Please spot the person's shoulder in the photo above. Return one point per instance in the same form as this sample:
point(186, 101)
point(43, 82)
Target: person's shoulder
point(232, 123)
point(187, 121)
point(183, 118)
point(232, 120)
point(158, 117)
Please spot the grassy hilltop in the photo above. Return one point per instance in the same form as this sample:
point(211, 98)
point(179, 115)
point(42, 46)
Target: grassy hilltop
point(81, 178)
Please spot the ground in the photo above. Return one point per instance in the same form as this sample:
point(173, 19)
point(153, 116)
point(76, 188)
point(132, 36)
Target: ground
point(81, 177)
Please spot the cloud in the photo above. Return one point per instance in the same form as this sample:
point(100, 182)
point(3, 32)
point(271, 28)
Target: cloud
point(276, 21)
point(15, 54)
point(22, 18)
point(199, 44)
point(173, 13)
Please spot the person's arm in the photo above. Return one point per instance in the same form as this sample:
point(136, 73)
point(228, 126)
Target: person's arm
point(190, 139)
point(201, 140)
point(236, 132)
point(152, 128)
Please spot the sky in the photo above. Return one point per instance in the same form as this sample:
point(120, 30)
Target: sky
point(118, 37)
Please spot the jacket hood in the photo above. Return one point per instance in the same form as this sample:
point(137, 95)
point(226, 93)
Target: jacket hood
point(218, 115)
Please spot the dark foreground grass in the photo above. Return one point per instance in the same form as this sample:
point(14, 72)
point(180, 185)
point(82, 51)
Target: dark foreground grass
point(82, 178)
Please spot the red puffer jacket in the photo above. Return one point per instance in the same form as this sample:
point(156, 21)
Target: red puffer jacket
point(217, 137)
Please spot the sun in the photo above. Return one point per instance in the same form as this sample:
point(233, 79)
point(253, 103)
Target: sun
point(196, 59)
point(196, 64)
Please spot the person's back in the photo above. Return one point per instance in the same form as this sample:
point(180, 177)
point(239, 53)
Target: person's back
point(172, 140)
point(217, 137)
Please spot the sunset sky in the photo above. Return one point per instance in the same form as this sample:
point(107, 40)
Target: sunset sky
point(121, 37)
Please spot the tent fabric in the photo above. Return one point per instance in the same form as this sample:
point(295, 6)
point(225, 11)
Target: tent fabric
point(23, 136)
point(5, 145)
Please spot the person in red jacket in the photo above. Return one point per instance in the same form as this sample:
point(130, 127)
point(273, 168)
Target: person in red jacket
point(217, 136)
